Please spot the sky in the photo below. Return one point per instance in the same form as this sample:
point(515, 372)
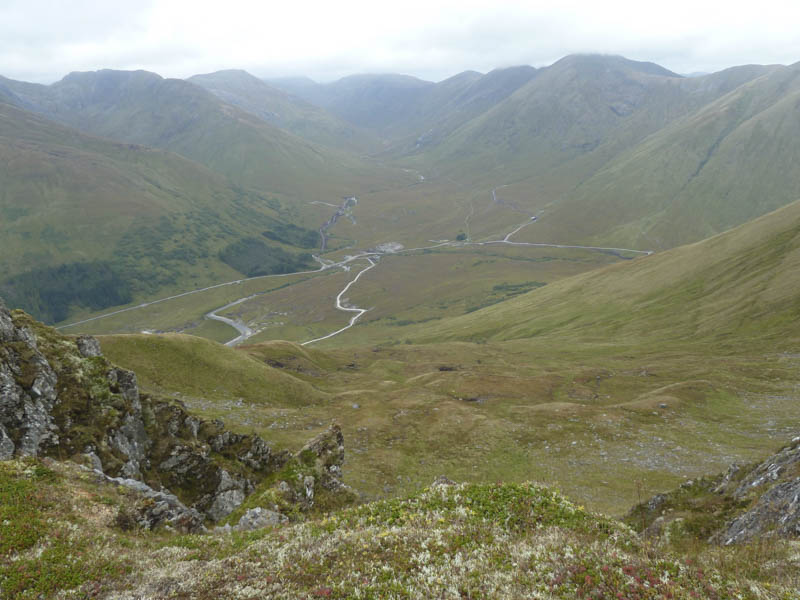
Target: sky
point(43, 40)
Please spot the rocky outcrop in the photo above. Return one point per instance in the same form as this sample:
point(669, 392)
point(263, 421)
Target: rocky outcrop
point(60, 397)
point(743, 504)
point(772, 491)
point(88, 346)
point(255, 518)
point(326, 454)
point(308, 480)
point(27, 392)
point(156, 509)
point(777, 512)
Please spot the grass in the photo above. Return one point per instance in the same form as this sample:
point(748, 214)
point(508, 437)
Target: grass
point(200, 368)
point(732, 287)
point(187, 313)
point(408, 287)
point(48, 544)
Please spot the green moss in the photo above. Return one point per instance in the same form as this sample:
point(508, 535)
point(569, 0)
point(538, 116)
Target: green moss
point(21, 503)
point(515, 506)
point(308, 458)
point(63, 565)
point(43, 549)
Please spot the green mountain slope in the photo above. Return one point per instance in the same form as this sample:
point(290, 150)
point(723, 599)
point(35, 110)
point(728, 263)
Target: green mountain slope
point(274, 106)
point(143, 108)
point(629, 154)
point(572, 117)
point(733, 160)
point(455, 101)
point(736, 288)
point(92, 223)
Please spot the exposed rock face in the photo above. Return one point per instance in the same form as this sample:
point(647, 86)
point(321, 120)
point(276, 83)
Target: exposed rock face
point(777, 512)
point(743, 504)
point(784, 463)
point(27, 392)
point(309, 479)
point(775, 486)
point(88, 346)
point(327, 453)
point(257, 518)
point(60, 397)
point(157, 509)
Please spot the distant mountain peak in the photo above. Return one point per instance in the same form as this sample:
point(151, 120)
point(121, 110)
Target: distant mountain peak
point(380, 78)
point(113, 74)
point(229, 74)
point(614, 60)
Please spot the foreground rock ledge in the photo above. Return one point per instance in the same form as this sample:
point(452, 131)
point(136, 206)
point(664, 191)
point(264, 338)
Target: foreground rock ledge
point(60, 398)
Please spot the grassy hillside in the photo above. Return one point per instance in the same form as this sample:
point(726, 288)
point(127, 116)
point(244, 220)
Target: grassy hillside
point(628, 154)
point(572, 117)
point(613, 151)
point(453, 102)
point(737, 287)
point(142, 108)
point(663, 366)
point(616, 383)
point(200, 368)
point(291, 113)
point(727, 163)
point(91, 223)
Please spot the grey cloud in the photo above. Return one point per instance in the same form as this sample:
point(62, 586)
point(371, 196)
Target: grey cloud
point(42, 40)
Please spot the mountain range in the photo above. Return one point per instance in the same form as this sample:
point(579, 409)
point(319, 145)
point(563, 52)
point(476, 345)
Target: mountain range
point(607, 151)
point(584, 274)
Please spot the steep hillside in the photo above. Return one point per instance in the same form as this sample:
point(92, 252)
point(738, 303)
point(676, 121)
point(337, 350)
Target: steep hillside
point(91, 223)
point(572, 117)
point(737, 287)
point(614, 152)
point(455, 101)
point(194, 367)
point(305, 120)
point(142, 108)
point(730, 161)
point(627, 154)
point(301, 87)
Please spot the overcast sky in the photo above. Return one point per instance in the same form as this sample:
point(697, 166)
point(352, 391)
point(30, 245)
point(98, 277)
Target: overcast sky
point(42, 40)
